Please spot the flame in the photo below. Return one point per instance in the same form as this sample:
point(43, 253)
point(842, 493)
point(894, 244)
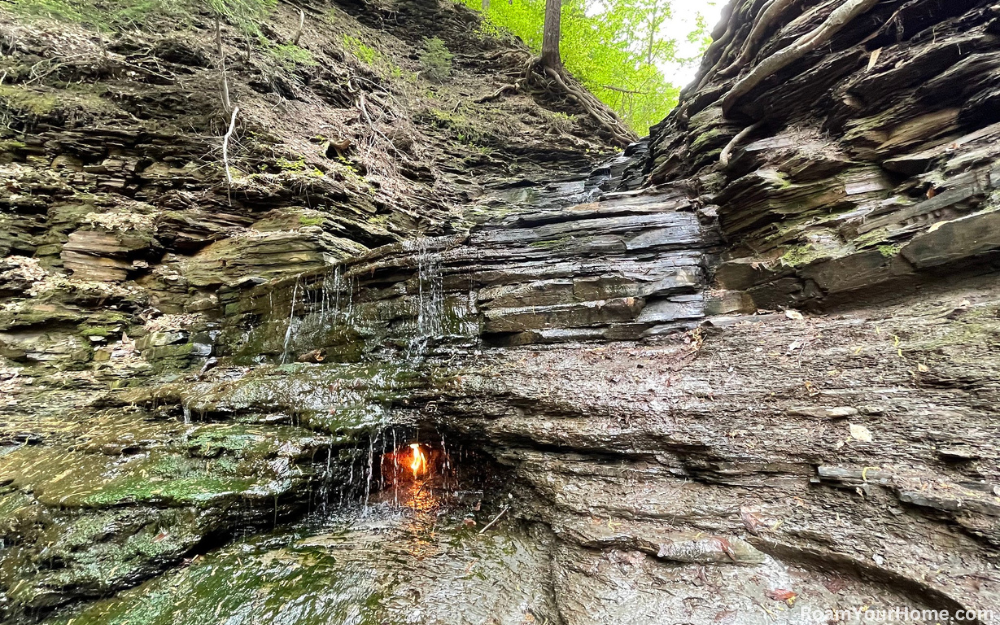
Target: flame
point(419, 462)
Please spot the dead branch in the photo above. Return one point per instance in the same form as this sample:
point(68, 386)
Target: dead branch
point(302, 23)
point(225, 146)
point(727, 152)
point(840, 17)
point(226, 102)
point(620, 90)
point(495, 519)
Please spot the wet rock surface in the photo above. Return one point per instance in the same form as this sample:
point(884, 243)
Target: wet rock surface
point(709, 381)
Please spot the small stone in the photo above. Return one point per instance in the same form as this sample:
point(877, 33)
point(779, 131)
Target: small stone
point(861, 433)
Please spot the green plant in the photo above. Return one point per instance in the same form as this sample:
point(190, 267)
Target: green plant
point(436, 60)
point(244, 14)
point(364, 53)
point(100, 15)
point(289, 55)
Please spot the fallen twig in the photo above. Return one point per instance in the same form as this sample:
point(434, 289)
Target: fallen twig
point(495, 519)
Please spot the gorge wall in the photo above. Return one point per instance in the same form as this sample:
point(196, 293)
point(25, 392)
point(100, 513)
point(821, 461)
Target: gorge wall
point(743, 372)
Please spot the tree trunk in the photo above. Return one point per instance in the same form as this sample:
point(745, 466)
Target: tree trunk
point(486, 5)
point(550, 39)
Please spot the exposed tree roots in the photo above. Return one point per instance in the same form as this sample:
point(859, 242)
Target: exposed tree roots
point(538, 77)
point(840, 17)
point(771, 16)
point(727, 153)
point(621, 134)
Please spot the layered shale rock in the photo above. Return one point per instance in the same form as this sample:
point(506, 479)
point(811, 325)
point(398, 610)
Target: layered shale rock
point(869, 160)
point(744, 373)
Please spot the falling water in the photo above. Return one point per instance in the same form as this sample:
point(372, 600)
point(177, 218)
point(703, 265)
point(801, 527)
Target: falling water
point(368, 480)
point(291, 320)
point(395, 468)
point(430, 302)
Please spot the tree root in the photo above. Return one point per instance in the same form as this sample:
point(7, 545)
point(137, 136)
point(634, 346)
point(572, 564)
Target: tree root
point(727, 153)
point(840, 17)
point(732, 25)
point(774, 12)
point(621, 135)
point(535, 74)
point(513, 88)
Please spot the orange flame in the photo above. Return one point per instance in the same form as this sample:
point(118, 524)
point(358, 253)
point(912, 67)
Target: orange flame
point(419, 462)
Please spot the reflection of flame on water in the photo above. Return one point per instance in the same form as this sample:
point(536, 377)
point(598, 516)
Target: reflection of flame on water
point(419, 462)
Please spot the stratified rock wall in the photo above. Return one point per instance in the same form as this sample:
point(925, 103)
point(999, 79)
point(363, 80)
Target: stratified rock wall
point(870, 161)
point(759, 388)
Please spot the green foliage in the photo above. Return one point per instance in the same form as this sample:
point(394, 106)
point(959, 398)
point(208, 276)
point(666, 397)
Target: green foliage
point(364, 53)
point(289, 55)
point(460, 127)
point(436, 60)
point(615, 48)
point(244, 14)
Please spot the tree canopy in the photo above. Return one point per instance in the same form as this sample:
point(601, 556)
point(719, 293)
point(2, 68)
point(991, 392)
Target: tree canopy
point(614, 47)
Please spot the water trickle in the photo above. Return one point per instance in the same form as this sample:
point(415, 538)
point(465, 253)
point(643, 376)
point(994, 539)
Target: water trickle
point(291, 322)
point(430, 292)
point(368, 481)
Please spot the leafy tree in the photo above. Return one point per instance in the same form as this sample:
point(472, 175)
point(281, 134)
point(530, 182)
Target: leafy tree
point(614, 47)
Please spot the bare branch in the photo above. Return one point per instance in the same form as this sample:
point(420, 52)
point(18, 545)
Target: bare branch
point(225, 146)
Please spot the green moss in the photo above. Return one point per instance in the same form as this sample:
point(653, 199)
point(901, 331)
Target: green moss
point(10, 145)
point(89, 330)
point(36, 102)
point(311, 220)
point(122, 14)
point(458, 125)
point(888, 251)
point(246, 584)
point(550, 244)
point(801, 255)
point(174, 479)
point(871, 239)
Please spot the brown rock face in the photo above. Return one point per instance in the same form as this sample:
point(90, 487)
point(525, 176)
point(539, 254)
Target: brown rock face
point(760, 387)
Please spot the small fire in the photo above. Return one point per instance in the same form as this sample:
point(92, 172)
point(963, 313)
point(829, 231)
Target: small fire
point(419, 462)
